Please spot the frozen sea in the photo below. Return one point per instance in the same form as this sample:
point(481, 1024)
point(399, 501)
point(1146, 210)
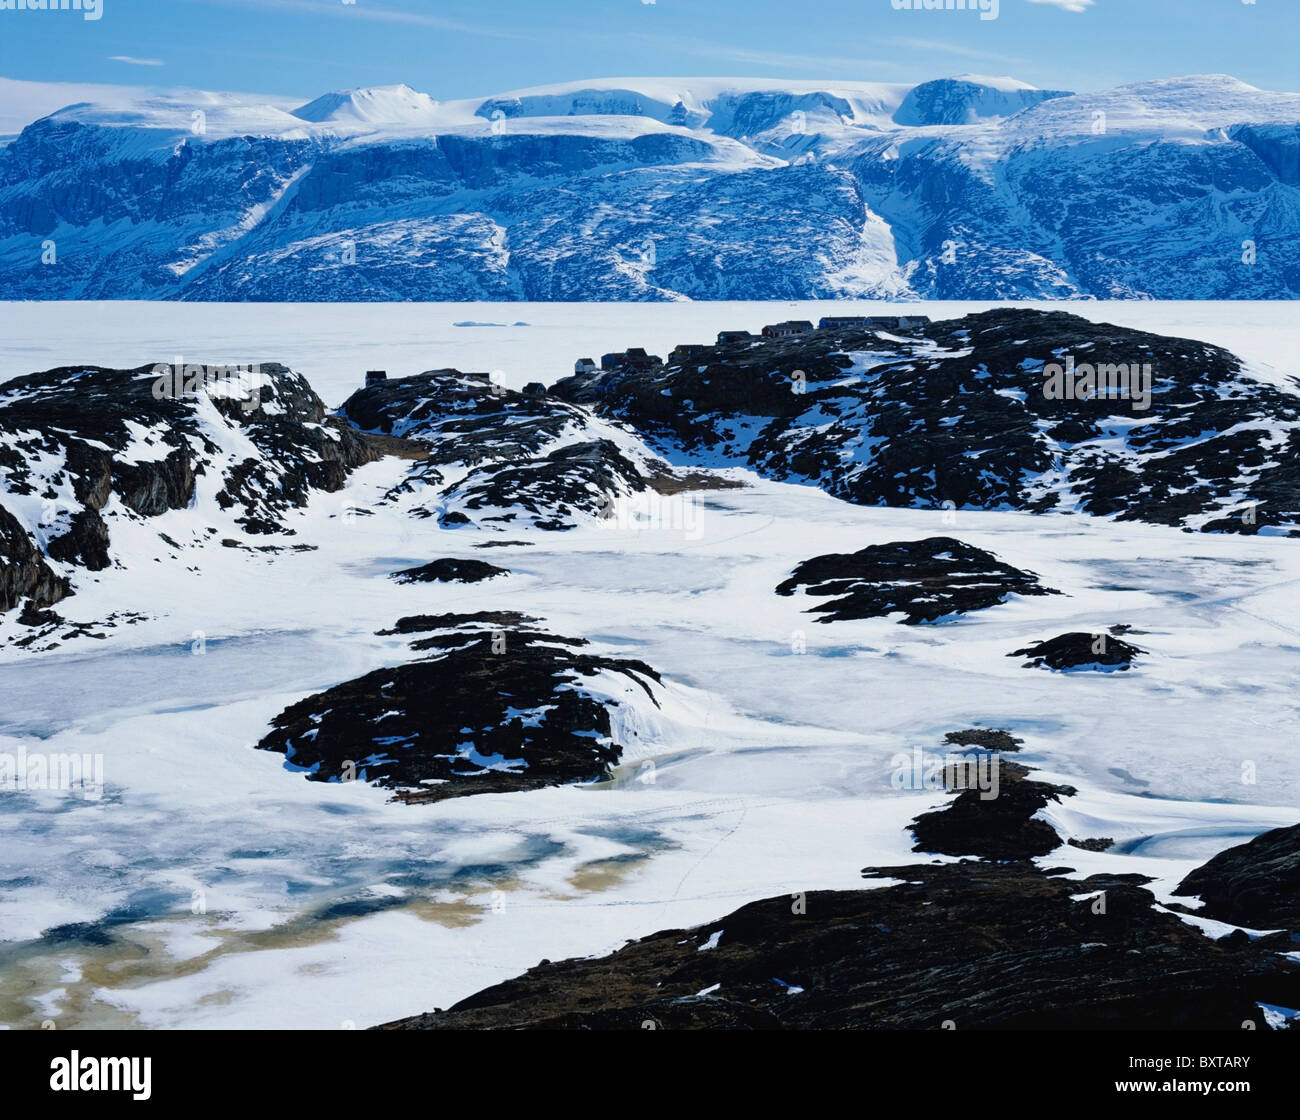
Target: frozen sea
point(209, 886)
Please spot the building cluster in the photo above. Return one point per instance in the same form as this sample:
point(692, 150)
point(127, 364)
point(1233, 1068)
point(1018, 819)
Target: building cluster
point(638, 359)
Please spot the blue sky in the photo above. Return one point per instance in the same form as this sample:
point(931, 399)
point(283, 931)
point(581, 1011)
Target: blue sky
point(454, 49)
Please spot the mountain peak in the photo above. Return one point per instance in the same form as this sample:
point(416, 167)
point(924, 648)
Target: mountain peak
point(968, 98)
point(991, 82)
point(398, 104)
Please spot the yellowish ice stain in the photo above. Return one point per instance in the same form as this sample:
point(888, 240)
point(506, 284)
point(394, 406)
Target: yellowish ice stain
point(604, 874)
point(138, 955)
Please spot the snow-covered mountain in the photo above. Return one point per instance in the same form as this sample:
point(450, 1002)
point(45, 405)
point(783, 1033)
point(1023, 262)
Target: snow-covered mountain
point(661, 189)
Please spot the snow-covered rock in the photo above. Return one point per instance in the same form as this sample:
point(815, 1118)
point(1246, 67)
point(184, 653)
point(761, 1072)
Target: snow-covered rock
point(85, 450)
point(971, 413)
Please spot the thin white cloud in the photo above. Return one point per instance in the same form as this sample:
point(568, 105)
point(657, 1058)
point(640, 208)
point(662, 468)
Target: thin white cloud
point(362, 12)
point(779, 60)
point(823, 66)
point(1067, 5)
point(945, 48)
point(135, 61)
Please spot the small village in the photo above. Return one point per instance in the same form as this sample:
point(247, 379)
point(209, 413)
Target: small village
point(636, 357)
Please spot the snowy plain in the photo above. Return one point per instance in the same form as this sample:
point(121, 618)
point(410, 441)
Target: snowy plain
point(233, 893)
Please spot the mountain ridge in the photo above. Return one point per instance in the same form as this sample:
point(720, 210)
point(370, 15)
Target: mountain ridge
point(662, 189)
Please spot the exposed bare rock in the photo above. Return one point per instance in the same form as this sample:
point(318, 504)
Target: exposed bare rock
point(924, 580)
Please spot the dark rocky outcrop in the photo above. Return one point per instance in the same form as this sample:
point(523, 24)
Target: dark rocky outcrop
point(79, 436)
point(449, 570)
point(496, 707)
point(24, 574)
point(1092, 844)
point(85, 543)
point(924, 580)
point(459, 417)
point(954, 415)
point(1079, 652)
point(986, 738)
point(1001, 827)
point(93, 417)
point(301, 450)
point(972, 946)
point(533, 460)
point(1255, 884)
point(575, 478)
point(424, 623)
point(154, 488)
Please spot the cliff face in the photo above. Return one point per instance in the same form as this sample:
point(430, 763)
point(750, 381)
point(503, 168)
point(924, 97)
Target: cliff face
point(23, 571)
point(85, 448)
